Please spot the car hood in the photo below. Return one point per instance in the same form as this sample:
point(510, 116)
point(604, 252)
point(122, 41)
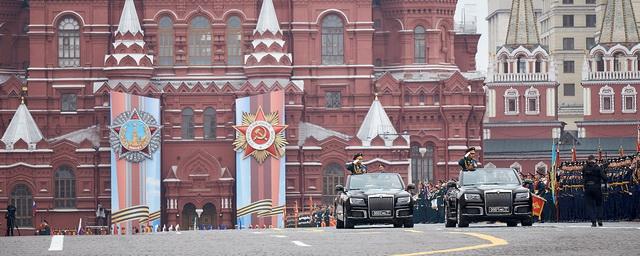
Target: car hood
point(482, 188)
point(370, 192)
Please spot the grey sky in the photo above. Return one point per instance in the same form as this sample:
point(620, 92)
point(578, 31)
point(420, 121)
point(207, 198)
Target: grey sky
point(468, 10)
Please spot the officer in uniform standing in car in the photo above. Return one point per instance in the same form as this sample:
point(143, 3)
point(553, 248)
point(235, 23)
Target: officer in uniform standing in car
point(468, 162)
point(357, 167)
point(593, 177)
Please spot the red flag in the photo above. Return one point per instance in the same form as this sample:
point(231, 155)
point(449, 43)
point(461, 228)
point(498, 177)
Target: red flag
point(538, 205)
point(574, 155)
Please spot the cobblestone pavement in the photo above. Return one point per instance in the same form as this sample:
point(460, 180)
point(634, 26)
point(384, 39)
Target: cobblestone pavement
point(619, 238)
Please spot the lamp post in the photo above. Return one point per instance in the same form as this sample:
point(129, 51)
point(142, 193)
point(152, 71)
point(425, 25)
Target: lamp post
point(421, 171)
point(195, 224)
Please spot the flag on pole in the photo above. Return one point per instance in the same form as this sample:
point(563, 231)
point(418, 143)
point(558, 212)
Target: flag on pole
point(574, 154)
point(538, 205)
point(599, 152)
point(555, 152)
point(638, 140)
point(80, 227)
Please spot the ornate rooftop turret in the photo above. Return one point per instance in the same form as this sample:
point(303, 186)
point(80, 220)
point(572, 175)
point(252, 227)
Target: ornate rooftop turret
point(269, 59)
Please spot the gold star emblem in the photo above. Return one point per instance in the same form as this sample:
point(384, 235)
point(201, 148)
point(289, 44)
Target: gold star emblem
point(260, 135)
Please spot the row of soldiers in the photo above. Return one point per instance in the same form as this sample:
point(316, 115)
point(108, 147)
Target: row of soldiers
point(621, 193)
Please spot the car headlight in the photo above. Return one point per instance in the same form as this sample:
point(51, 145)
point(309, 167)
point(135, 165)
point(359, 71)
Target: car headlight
point(356, 201)
point(522, 196)
point(472, 197)
point(403, 200)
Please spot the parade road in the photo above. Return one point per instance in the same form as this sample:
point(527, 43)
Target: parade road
point(481, 239)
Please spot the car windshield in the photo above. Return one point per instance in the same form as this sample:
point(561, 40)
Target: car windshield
point(375, 181)
point(489, 176)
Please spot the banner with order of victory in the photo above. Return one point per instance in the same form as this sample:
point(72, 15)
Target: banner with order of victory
point(260, 160)
point(134, 135)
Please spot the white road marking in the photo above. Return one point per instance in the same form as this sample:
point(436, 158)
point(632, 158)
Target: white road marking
point(56, 243)
point(258, 232)
point(298, 243)
point(279, 236)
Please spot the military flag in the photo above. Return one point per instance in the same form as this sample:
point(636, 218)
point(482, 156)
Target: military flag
point(574, 154)
point(621, 151)
point(538, 205)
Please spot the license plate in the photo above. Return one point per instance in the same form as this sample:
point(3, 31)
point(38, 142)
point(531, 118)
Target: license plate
point(381, 213)
point(498, 209)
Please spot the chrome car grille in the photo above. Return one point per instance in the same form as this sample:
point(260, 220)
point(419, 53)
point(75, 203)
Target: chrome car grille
point(498, 202)
point(381, 206)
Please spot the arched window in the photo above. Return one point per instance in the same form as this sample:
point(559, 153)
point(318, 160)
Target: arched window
point(511, 102)
point(65, 183)
point(234, 41)
point(516, 166)
point(69, 43)
point(522, 63)
point(599, 63)
point(428, 161)
point(210, 124)
point(407, 98)
point(22, 199)
point(165, 41)
point(187, 123)
point(419, 51)
point(606, 99)
point(332, 40)
point(541, 167)
point(617, 62)
point(505, 65)
point(422, 98)
point(422, 159)
point(332, 176)
point(189, 217)
point(436, 98)
point(200, 41)
point(208, 217)
point(538, 67)
point(533, 101)
point(629, 99)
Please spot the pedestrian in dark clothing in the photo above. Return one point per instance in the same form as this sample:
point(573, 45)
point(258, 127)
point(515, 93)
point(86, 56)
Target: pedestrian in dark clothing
point(593, 177)
point(11, 219)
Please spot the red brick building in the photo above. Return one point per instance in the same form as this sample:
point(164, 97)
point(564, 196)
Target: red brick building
point(330, 57)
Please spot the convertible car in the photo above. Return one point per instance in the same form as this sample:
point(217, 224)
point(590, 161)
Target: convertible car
point(374, 198)
point(488, 194)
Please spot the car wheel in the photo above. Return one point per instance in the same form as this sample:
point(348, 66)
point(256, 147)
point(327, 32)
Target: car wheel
point(346, 222)
point(462, 221)
point(397, 225)
point(512, 223)
point(527, 222)
point(448, 222)
point(408, 223)
point(339, 224)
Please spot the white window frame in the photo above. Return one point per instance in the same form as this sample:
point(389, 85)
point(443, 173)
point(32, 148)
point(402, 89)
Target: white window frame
point(532, 93)
point(511, 94)
point(629, 91)
point(607, 91)
point(490, 165)
point(542, 164)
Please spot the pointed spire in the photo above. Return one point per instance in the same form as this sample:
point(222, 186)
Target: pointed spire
point(129, 21)
point(523, 28)
point(268, 21)
point(23, 127)
point(377, 123)
point(619, 23)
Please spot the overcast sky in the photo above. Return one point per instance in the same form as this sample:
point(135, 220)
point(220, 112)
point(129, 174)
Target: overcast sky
point(477, 9)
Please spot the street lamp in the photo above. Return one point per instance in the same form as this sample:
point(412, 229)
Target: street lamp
point(195, 224)
point(422, 152)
